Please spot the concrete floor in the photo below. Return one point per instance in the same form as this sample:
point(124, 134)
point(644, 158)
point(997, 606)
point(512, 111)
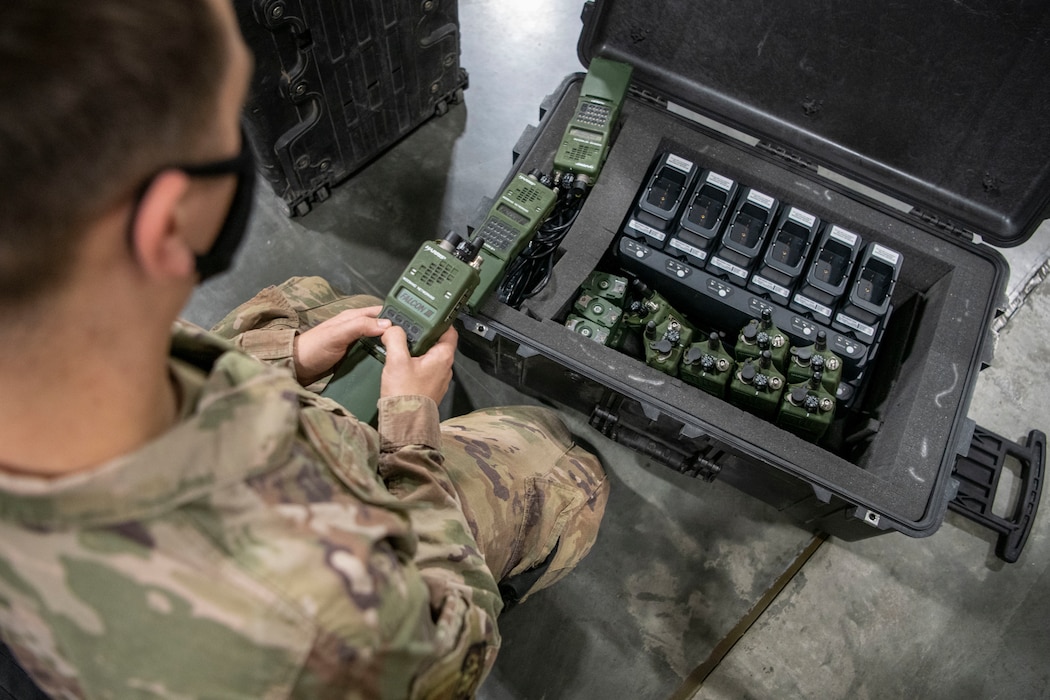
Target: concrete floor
point(682, 568)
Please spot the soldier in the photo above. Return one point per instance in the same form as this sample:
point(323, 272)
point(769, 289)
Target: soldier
point(177, 518)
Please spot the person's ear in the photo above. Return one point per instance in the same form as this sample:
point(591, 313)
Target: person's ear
point(157, 233)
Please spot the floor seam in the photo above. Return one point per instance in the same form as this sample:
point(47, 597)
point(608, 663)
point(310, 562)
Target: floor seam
point(695, 680)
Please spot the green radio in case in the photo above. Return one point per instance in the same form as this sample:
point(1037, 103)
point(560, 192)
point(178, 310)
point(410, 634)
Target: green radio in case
point(586, 141)
point(508, 228)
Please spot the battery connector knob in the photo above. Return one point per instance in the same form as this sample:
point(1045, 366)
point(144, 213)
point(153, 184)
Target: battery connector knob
point(765, 320)
point(815, 380)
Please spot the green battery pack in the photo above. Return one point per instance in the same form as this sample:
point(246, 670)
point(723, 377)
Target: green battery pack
point(589, 329)
point(665, 342)
point(807, 408)
point(606, 286)
point(803, 361)
point(761, 334)
point(708, 365)
point(757, 385)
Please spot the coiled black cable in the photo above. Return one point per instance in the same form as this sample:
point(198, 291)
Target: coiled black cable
point(530, 272)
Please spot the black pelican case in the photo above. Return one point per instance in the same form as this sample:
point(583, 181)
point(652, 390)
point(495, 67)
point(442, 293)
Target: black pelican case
point(337, 82)
point(923, 127)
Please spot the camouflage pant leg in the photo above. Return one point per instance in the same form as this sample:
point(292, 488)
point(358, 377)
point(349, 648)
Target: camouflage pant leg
point(265, 326)
point(525, 488)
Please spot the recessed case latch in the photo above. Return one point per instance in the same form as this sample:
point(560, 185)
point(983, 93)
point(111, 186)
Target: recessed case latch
point(978, 476)
point(636, 433)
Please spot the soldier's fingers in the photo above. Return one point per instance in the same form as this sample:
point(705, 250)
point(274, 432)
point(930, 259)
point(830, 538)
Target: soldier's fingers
point(363, 327)
point(371, 311)
point(444, 350)
point(396, 344)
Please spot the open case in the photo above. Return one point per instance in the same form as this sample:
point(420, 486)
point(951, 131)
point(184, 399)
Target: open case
point(918, 132)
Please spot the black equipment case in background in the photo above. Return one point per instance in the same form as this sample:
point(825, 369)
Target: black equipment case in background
point(337, 82)
point(923, 126)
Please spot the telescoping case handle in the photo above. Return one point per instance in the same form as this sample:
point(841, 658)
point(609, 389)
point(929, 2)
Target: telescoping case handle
point(978, 475)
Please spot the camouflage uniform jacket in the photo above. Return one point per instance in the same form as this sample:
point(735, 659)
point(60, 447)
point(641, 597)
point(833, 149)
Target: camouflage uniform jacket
point(259, 549)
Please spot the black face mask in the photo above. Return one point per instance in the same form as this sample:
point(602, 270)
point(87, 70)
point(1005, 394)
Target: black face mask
point(219, 257)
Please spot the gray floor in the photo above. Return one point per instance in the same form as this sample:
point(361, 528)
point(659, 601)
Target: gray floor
point(682, 567)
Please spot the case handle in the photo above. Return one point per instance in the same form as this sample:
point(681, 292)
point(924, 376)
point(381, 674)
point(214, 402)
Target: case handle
point(978, 476)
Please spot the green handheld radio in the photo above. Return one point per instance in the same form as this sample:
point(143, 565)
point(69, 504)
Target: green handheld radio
point(509, 226)
point(586, 141)
point(424, 302)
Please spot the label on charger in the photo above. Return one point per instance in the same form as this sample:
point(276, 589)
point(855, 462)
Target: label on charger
point(885, 254)
point(647, 230)
point(688, 249)
point(729, 267)
point(720, 181)
point(771, 286)
point(841, 234)
point(862, 328)
point(762, 200)
point(813, 305)
point(679, 163)
point(801, 217)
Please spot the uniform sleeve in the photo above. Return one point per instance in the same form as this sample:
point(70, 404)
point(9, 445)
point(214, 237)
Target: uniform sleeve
point(447, 555)
point(265, 326)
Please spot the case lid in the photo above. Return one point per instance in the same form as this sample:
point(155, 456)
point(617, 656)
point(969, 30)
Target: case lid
point(941, 104)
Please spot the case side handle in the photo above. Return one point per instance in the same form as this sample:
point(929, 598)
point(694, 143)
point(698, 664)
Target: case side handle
point(978, 476)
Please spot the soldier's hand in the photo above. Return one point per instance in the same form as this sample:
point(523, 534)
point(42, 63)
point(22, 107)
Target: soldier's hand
point(317, 350)
point(429, 374)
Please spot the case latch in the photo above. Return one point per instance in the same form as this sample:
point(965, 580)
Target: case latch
point(978, 476)
point(627, 429)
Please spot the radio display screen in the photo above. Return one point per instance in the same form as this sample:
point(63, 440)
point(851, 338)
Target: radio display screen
point(415, 303)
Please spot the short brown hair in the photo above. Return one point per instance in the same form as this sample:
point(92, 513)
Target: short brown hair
point(97, 94)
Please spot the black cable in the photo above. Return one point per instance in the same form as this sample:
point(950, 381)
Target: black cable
point(530, 272)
